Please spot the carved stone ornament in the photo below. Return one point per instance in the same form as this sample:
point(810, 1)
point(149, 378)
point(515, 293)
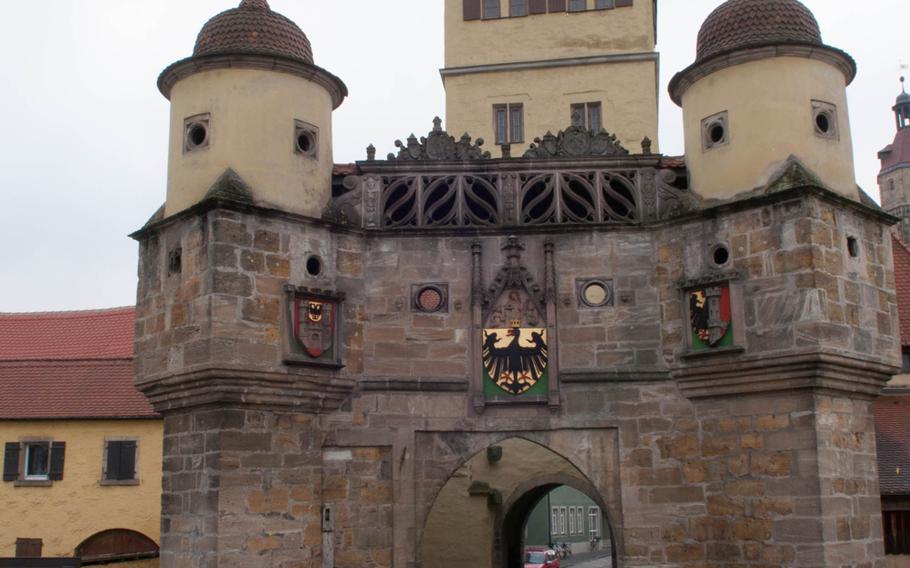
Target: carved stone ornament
point(438, 146)
point(576, 142)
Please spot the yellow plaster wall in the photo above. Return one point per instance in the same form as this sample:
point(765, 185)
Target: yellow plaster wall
point(251, 131)
point(458, 518)
point(66, 513)
point(546, 36)
point(627, 92)
point(769, 102)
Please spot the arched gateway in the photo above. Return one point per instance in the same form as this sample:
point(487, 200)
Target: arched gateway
point(385, 364)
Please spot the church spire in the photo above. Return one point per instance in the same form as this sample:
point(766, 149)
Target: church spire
point(902, 108)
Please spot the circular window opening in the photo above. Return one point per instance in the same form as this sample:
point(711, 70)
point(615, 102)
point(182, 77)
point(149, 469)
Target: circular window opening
point(853, 247)
point(823, 123)
point(717, 133)
point(305, 142)
point(429, 299)
point(197, 134)
point(595, 294)
point(313, 266)
point(721, 255)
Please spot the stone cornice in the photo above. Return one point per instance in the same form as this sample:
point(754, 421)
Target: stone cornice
point(827, 372)
point(683, 80)
point(192, 65)
point(550, 63)
point(314, 393)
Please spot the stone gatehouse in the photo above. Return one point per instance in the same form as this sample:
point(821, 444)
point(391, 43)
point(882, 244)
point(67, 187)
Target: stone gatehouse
point(390, 364)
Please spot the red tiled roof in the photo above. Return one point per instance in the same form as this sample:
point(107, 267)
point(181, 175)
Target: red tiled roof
point(901, 255)
point(898, 152)
point(97, 334)
point(41, 390)
point(739, 24)
point(253, 28)
point(892, 422)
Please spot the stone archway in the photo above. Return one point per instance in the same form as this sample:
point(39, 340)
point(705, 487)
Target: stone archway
point(516, 509)
point(469, 522)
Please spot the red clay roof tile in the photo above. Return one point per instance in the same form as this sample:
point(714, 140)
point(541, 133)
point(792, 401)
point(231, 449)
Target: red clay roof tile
point(96, 334)
point(901, 255)
point(892, 422)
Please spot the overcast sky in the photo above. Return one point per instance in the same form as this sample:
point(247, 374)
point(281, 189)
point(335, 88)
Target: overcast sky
point(84, 129)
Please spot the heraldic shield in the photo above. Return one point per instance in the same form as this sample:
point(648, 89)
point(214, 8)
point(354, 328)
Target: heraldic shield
point(710, 317)
point(514, 348)
point(314, 326)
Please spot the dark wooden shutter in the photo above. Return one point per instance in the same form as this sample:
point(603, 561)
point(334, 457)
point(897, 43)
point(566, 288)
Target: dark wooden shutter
point(121, 460)
point(58, 451)
point(471, 9)
point(29, 547)
point(623, 3)
point(557, 5)
point(537, 7)
point(11, 461)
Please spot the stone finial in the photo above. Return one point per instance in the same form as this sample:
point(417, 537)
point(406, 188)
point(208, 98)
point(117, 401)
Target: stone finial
point(438, 145)
point(371, 153)
point(646, 146)
point(255, 5)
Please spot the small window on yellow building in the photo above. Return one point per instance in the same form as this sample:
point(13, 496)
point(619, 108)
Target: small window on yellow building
point(587, 115)
point(491, 9)
point(119, 461)
point(508, 123)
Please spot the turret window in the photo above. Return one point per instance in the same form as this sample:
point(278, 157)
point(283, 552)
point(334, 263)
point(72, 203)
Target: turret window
point(196, 133)
point(824, 116)
point(715, 131)
point(306, 137)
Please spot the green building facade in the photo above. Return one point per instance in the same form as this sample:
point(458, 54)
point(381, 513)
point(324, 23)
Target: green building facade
point(565, 515)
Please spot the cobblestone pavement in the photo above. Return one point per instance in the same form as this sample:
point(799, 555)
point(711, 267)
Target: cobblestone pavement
point(587, 560)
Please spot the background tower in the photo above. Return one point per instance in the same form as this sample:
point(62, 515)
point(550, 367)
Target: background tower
point(251, 100)
point(515, 69)
point(760, 92)
point(894, 179)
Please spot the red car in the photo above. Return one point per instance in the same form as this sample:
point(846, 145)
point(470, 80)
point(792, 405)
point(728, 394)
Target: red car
point(541, 558)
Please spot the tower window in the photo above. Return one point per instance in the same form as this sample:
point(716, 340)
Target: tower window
point(715, 131)
point(491, 9)
point(196, 133)
point(578, 5)
point(824, 115)
point(305, 138)
point(508, 123)
point(588, 115)
point(518, 8)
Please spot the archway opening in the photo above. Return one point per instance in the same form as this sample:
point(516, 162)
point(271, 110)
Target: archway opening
point(116, 545)
point(554, 519)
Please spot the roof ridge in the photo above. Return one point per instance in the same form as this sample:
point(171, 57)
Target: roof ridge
point(67, 313)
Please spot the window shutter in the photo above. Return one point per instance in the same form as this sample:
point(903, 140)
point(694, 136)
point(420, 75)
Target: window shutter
point(471, 9)
point(623, 3)
point(127, 460)
point(537, 7)
point(557, 5)
point(11, 461)
point(112, 467)
point(58, 451)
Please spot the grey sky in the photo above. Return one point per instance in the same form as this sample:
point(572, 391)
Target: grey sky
point(84, 129)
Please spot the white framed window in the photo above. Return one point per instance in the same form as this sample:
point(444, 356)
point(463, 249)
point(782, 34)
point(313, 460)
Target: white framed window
point(554, 520)
point(508, 123)
point(571, 520)
point(593, 516)
point(37, 464)
point(580, 520)
point(588, 115)
point(562, 520)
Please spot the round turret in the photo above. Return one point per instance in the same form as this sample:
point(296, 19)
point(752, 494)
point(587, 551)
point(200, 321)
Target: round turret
point(765, 90)
point(251, 115)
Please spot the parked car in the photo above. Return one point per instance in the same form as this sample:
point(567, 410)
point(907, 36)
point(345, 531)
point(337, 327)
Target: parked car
point(541, 558)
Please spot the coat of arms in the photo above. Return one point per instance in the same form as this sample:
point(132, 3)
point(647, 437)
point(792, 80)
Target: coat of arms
point(710, 317)
point(314, 325)
point(515, 359)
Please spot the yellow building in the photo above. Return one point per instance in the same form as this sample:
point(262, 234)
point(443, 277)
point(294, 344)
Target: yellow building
point(82, 447)
point(516, 69)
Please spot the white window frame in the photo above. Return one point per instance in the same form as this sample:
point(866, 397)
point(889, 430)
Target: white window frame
point(593, 516)
point(571, 520)
point(511, 136)
point(554, 520)
point(26, 450)
point(580, 520)
point(562, 520)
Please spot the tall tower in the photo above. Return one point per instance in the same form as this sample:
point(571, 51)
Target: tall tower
point(761, 93)
point(515, 69)
point(250, 100)
point(894, 178)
